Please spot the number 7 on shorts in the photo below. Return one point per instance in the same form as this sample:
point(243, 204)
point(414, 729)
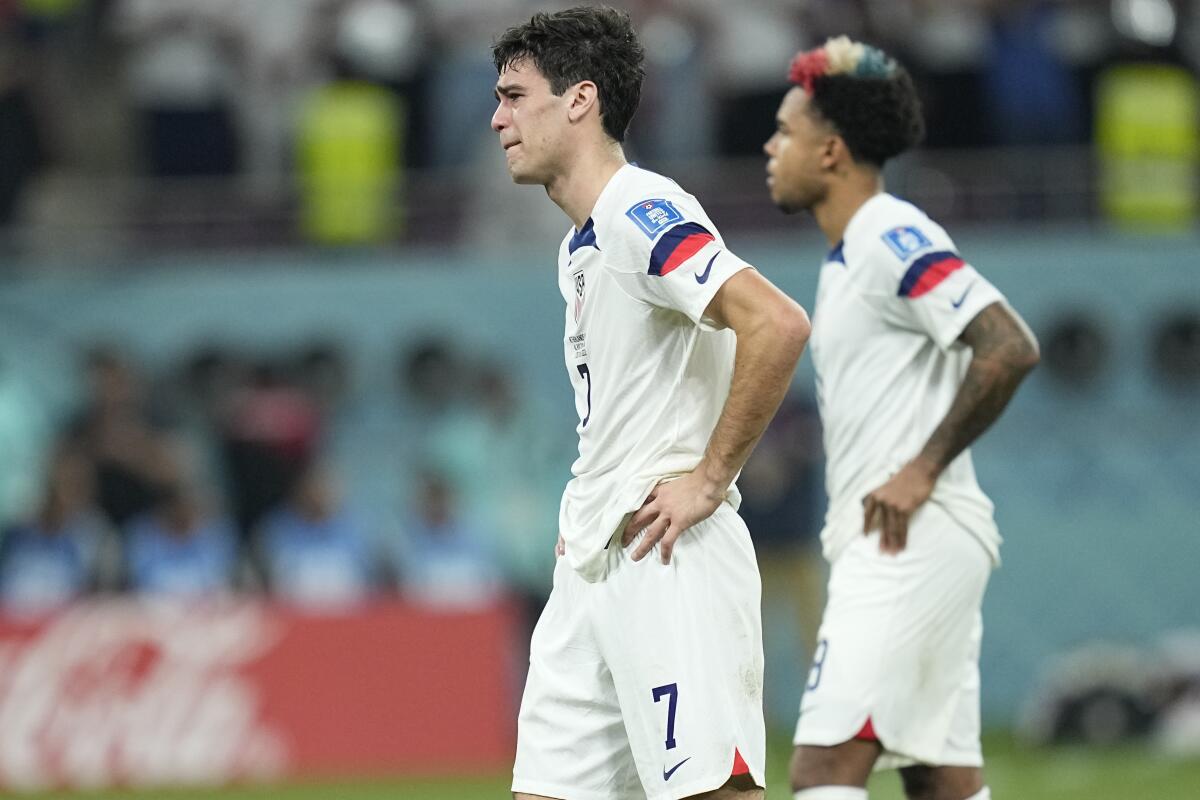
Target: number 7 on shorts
point(672, 691)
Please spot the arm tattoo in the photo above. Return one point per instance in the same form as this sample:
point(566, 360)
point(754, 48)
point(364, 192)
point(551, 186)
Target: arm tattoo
point(1003, 354)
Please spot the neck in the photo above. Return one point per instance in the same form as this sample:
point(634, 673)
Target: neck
point(576, 189)
point(844, 199)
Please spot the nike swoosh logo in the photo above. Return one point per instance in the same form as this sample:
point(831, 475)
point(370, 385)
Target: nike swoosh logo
point(957, 303)
point(667, 773)
point(703, 276)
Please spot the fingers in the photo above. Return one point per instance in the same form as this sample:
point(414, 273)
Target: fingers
point(664, 535)
point(894, 534)
point(900, 531)
point(560, 549)
point(655, 531)
point(889, 520)
point(667, 546)
point(640, 519)
point(870, 512)
point(887, 530)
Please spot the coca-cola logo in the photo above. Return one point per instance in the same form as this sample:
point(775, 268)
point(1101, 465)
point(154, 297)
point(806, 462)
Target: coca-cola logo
point(137, 693)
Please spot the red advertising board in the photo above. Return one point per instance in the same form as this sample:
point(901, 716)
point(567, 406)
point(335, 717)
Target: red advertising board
point(135, 692)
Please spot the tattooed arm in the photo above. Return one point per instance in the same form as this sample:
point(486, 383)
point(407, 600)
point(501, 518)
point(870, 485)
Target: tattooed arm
point(1003, 353)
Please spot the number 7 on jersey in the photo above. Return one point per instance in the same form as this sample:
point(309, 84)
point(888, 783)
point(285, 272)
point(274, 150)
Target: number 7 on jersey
point(586, 374)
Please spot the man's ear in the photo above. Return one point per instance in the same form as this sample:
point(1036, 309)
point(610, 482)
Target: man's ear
point(834, 151)
point(581, 99)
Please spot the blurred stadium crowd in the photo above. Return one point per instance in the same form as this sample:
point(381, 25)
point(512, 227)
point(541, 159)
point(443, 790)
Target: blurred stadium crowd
point(226, 475)
point(285, 121)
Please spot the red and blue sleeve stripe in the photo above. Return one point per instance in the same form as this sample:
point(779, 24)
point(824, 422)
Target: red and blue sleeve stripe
point(678, 245)
point(927, 272)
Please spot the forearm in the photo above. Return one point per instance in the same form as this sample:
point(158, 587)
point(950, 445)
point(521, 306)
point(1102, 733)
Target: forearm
point(766, 358)
point(1003, 354)
point(983, 395)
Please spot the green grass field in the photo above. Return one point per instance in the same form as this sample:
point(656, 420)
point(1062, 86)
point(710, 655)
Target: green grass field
point(1014, 773)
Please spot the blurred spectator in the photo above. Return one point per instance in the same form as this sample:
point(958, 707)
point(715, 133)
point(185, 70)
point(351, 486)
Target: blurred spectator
point(24, 428)
point(269, 433)
point(322, 372)
point(280, 66)
point(197, 394)
point(201, 387)
point(116, 431)
point(183, 546)
point(55, 557)
point(752, 43)
point(675, 119)
point(431, 376)
point(458, 109)
point(1076, 351)
point(510, 469)
point(22, 150)
point(352, 130)
point(1175, 349)
point(444, 562)
point(1030, 90)
point(383, 41)
point(184, 64)
point(1148, 144)
point(947, 46)
point(314, 550)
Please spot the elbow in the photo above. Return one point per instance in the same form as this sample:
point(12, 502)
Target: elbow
point(1016, 364)
point(1027, 358)
point(792, 327)
point(1034, 358)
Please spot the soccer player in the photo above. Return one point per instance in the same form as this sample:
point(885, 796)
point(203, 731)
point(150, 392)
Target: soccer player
point(916, 355)
point(645, 674)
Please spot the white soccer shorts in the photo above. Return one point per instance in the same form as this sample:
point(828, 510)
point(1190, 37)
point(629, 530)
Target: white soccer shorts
point(648, 684)
point(899, 645)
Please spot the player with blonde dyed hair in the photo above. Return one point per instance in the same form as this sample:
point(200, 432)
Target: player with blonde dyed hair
point(916, 355)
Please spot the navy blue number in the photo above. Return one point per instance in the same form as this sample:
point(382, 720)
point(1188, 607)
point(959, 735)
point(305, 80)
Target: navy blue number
point(814, 675)
point(672, 690)
point(587, 376)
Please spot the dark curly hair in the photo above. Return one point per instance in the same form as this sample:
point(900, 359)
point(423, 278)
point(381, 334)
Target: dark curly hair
point(592, 43)
point(865, 94)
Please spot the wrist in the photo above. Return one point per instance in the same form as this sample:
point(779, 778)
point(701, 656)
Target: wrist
point(928, 467)
point(714, 479)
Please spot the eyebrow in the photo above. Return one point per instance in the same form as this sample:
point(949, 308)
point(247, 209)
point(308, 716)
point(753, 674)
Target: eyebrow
point(507, 90)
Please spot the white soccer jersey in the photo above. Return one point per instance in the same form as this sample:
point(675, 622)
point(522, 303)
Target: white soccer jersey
point(650, 373)
point(892, 300)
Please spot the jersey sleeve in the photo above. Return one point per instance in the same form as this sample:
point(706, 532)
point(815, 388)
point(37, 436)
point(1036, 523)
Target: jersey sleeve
point(670, 255)
point(916, 275)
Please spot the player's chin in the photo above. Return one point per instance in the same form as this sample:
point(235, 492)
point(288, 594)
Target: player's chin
point(522, 177)
point(785, 205)
point(778, 198)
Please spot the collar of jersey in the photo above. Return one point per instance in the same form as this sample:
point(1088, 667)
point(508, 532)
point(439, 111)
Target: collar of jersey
point(835, 254)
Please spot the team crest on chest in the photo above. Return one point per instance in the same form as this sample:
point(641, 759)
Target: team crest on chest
point(577, 277)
